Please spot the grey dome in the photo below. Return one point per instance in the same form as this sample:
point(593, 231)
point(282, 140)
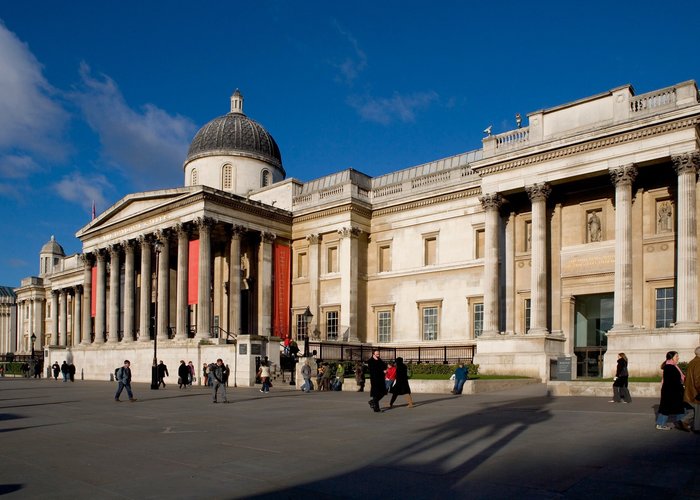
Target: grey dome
point(235, 134)
point(53, 247)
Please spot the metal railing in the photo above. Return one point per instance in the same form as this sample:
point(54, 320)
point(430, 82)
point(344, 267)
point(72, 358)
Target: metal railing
point(419, 354)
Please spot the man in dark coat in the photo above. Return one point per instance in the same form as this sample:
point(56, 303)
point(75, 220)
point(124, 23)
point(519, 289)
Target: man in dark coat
point(376, 366)
point(162, 373)
point(56, 370)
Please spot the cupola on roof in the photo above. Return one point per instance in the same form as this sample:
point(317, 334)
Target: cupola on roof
point(235, 134)
point(53, 247)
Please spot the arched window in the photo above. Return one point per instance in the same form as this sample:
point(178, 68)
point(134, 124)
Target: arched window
point(265, 178)
point(194, 178)
point(226, 176)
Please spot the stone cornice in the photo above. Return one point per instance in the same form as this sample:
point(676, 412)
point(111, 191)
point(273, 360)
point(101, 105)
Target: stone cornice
point(620, 138)
point(349, 207)
point(467, 193)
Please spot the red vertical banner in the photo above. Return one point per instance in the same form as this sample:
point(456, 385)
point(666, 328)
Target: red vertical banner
point(93, 292)
point(283, 272)
point(193, 272)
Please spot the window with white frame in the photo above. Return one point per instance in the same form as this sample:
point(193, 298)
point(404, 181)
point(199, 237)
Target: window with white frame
point(430, 320)
point(302, 326)
point(665, 305)
point(265, 178)
point(226, 175)
point(332, 325)
point(384, 322)
point(478, 319)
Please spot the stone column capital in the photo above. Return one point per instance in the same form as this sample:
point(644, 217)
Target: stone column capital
point(686, 162)
point(268, 237)
point(237, 231)
point(114, 249)
point(87, 259)
point(162, 236)
point(491, 201)
point(349, 232)
point(128, 245)
point(624, 175)
point(313, 239)
point(182, 229)
point(101, 255)
point(538, 192)
point(204, 222)
point(145, 239)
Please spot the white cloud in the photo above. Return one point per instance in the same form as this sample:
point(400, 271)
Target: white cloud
point(148, 145)
point(385, 110)
point(84, 190)
point(31, 119)
point(17, 166)
point(353, 65)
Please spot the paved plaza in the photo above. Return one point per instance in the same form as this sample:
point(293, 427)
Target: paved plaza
point(71, 440)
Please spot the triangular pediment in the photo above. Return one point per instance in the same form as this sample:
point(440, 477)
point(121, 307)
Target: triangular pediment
point(136, 205)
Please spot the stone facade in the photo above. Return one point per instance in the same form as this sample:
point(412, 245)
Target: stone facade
point(574, 236)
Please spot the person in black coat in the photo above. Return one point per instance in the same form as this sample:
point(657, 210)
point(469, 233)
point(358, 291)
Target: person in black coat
point(183, 375)
point(672, 390)
point(376, 366)
point(162, 373)
point(620, 390)
point(400, 385)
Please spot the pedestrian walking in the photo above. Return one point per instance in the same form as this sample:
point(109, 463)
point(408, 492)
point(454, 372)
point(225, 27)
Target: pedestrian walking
point(124, 380)
point(620, 382)
point(162, 373)
point(219, 374)
point(183, 374)
point(264, 374)
point(672, 391)
point(191, 378)
point(339, 377)
point(401, 386)
point(56, 370)
point(461, 375)
point(71, 372)
point(376, 366)
point(64, 371)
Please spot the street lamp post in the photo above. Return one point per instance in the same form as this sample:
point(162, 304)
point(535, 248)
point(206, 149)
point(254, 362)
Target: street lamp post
point(154, 368)
point(307, 319)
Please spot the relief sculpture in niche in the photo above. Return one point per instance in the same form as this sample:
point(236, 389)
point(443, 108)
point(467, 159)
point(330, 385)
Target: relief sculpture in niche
point(594, 227)
point(664, 218)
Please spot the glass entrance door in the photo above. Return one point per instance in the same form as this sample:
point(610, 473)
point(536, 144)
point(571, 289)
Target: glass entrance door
point(593, 319)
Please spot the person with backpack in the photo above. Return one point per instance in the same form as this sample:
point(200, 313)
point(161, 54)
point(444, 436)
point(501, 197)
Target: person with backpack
point(123, 376)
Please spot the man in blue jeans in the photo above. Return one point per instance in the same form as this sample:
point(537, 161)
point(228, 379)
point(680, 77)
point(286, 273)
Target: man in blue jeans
point(461, 375)
point(124, 379)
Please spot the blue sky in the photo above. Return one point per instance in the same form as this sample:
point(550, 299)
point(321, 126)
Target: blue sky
point(101, 99)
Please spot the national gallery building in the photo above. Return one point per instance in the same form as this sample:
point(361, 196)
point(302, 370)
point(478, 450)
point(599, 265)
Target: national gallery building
point(573, 236)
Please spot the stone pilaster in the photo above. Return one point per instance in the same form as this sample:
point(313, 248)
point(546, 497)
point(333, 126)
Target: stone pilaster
point(54, 318)
point(491, 204)
point(77, 314)
point(687, 166)
point(349, 264)
point(265, 284)
point(314, 258)
point(538, 194)
point(63, 318)
point(623, 177)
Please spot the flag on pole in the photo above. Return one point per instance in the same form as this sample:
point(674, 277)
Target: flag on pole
point(94, 210)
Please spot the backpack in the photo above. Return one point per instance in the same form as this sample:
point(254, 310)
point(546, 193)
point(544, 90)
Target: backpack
point(116, 373)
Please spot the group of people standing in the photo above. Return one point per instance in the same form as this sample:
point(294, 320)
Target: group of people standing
point(680, 394)
point(66, 369)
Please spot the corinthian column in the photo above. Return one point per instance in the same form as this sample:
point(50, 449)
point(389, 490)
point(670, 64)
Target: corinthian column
point(129, 291)
point(54, 317)
point(101, 297)
point(87, 299)
point(77, 314)
point(63, 318)
point(491, 203)
point(538, 194)
point(623, 177)
point(145, 292)
point(686, 166)
point(163, 295)
point(234, 281)
point(114, 281)
point(204, 289)
point(182, 307)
